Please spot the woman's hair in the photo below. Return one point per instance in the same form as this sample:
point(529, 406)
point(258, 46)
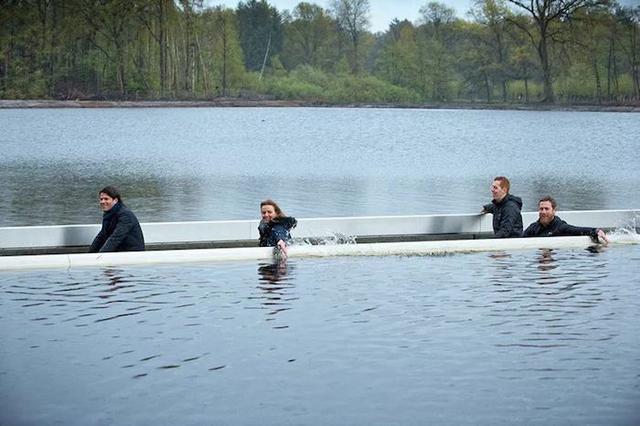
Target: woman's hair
point(111, 192)
point(276, 207)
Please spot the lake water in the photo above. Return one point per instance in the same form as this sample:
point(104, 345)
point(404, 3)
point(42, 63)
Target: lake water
point(218, 163)
point(528, 337)
point(533, 337)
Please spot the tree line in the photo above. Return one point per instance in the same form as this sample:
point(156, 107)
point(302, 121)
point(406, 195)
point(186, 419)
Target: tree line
point(568, 51)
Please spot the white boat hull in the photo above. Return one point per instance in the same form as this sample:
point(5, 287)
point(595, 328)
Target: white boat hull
point(301, 251)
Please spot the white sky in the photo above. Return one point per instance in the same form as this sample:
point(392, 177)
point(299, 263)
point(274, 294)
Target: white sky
point(382, 11)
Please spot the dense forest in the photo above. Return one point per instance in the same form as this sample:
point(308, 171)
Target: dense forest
point(501, 51)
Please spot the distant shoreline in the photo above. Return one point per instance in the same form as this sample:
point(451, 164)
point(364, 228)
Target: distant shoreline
point(253, 103)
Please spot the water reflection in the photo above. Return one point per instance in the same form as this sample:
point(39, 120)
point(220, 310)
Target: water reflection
point(276, 285)
point(546, 295)
point(29, 199)
point(484, 325)
point(115, 278)
point(273, 272)
point(546, 261)
point(337, 166)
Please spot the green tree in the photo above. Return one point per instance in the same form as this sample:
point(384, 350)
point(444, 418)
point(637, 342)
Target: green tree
point(436, 46)
point(493, 16)
point(189, 11)
point(309, 37)
point(398, 61)
point(111, 26)
point(629, 20)
point(156, 16)
point(261, 33)
point(353, 20)
point(223, 60)
point(548, 16)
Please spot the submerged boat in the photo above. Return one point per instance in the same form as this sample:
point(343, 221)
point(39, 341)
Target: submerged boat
point(66, 246)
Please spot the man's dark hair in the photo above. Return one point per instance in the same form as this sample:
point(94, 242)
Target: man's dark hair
point(549, 199)
point(111, 192)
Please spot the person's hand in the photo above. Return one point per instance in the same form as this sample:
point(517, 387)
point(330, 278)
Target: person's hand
point(282, 246)
point(602, 237)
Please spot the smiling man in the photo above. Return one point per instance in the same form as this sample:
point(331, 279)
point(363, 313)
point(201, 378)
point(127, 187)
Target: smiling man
point(505, 208)
point(550, 225)
point(120, 227)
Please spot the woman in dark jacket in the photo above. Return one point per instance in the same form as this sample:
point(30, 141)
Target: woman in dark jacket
point(274, 226)
point(120, 227)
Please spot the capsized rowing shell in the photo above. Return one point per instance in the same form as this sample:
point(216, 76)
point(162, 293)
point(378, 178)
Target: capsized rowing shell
point(301, 251)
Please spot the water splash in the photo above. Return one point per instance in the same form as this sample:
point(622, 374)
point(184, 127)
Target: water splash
point(330, 240)
point(624, 235)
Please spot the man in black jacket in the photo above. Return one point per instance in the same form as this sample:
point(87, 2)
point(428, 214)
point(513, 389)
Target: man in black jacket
point(507, 219)
point(550, 225)
point(120, 227)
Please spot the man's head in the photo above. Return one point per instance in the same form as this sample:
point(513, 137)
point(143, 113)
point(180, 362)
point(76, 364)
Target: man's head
point(500, 188)
point(546, 210)
point(109, 197)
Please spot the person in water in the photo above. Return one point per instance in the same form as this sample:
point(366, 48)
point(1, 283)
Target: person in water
point(507, 219)
point(275, 226)
point(550, 225)
point(120, 227)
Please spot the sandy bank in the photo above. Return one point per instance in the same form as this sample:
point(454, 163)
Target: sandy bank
point(232, 102)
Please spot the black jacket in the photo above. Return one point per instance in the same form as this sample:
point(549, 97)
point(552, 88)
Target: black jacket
point(120, 231)
point(559, 228)
point(507, 220)
point(276, 230)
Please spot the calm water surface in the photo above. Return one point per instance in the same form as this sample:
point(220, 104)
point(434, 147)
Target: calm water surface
point(522, 337)
point(218, 163)
point(533, 337)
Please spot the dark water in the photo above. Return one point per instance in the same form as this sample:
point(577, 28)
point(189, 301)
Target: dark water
point(527, 337)
point(218, 163)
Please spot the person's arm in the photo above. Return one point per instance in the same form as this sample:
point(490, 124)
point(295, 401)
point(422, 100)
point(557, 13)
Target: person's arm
point(125, 223)
point(282, 246)
point(510, 217)
point(98, 241)
point(487, 208)
point(531, 230)
point(594, 233)
point(281, 235)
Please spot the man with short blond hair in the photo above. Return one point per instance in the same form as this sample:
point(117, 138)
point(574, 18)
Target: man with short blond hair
point(550, 225)
point(505, 208)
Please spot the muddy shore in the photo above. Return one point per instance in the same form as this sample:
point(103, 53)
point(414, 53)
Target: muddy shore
point(232, 102)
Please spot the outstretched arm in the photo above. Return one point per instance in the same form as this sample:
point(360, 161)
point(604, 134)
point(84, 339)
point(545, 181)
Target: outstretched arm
point(596, 235)
point(281, 235)
point(282, 246)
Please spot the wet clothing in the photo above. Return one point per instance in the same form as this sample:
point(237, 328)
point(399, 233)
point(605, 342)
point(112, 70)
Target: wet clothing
point(120, 231)
point(276, 230)
point(559, 228)
point(507, 219)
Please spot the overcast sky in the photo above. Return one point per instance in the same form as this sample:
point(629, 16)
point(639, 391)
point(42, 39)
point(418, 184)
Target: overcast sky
point(382, 11)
